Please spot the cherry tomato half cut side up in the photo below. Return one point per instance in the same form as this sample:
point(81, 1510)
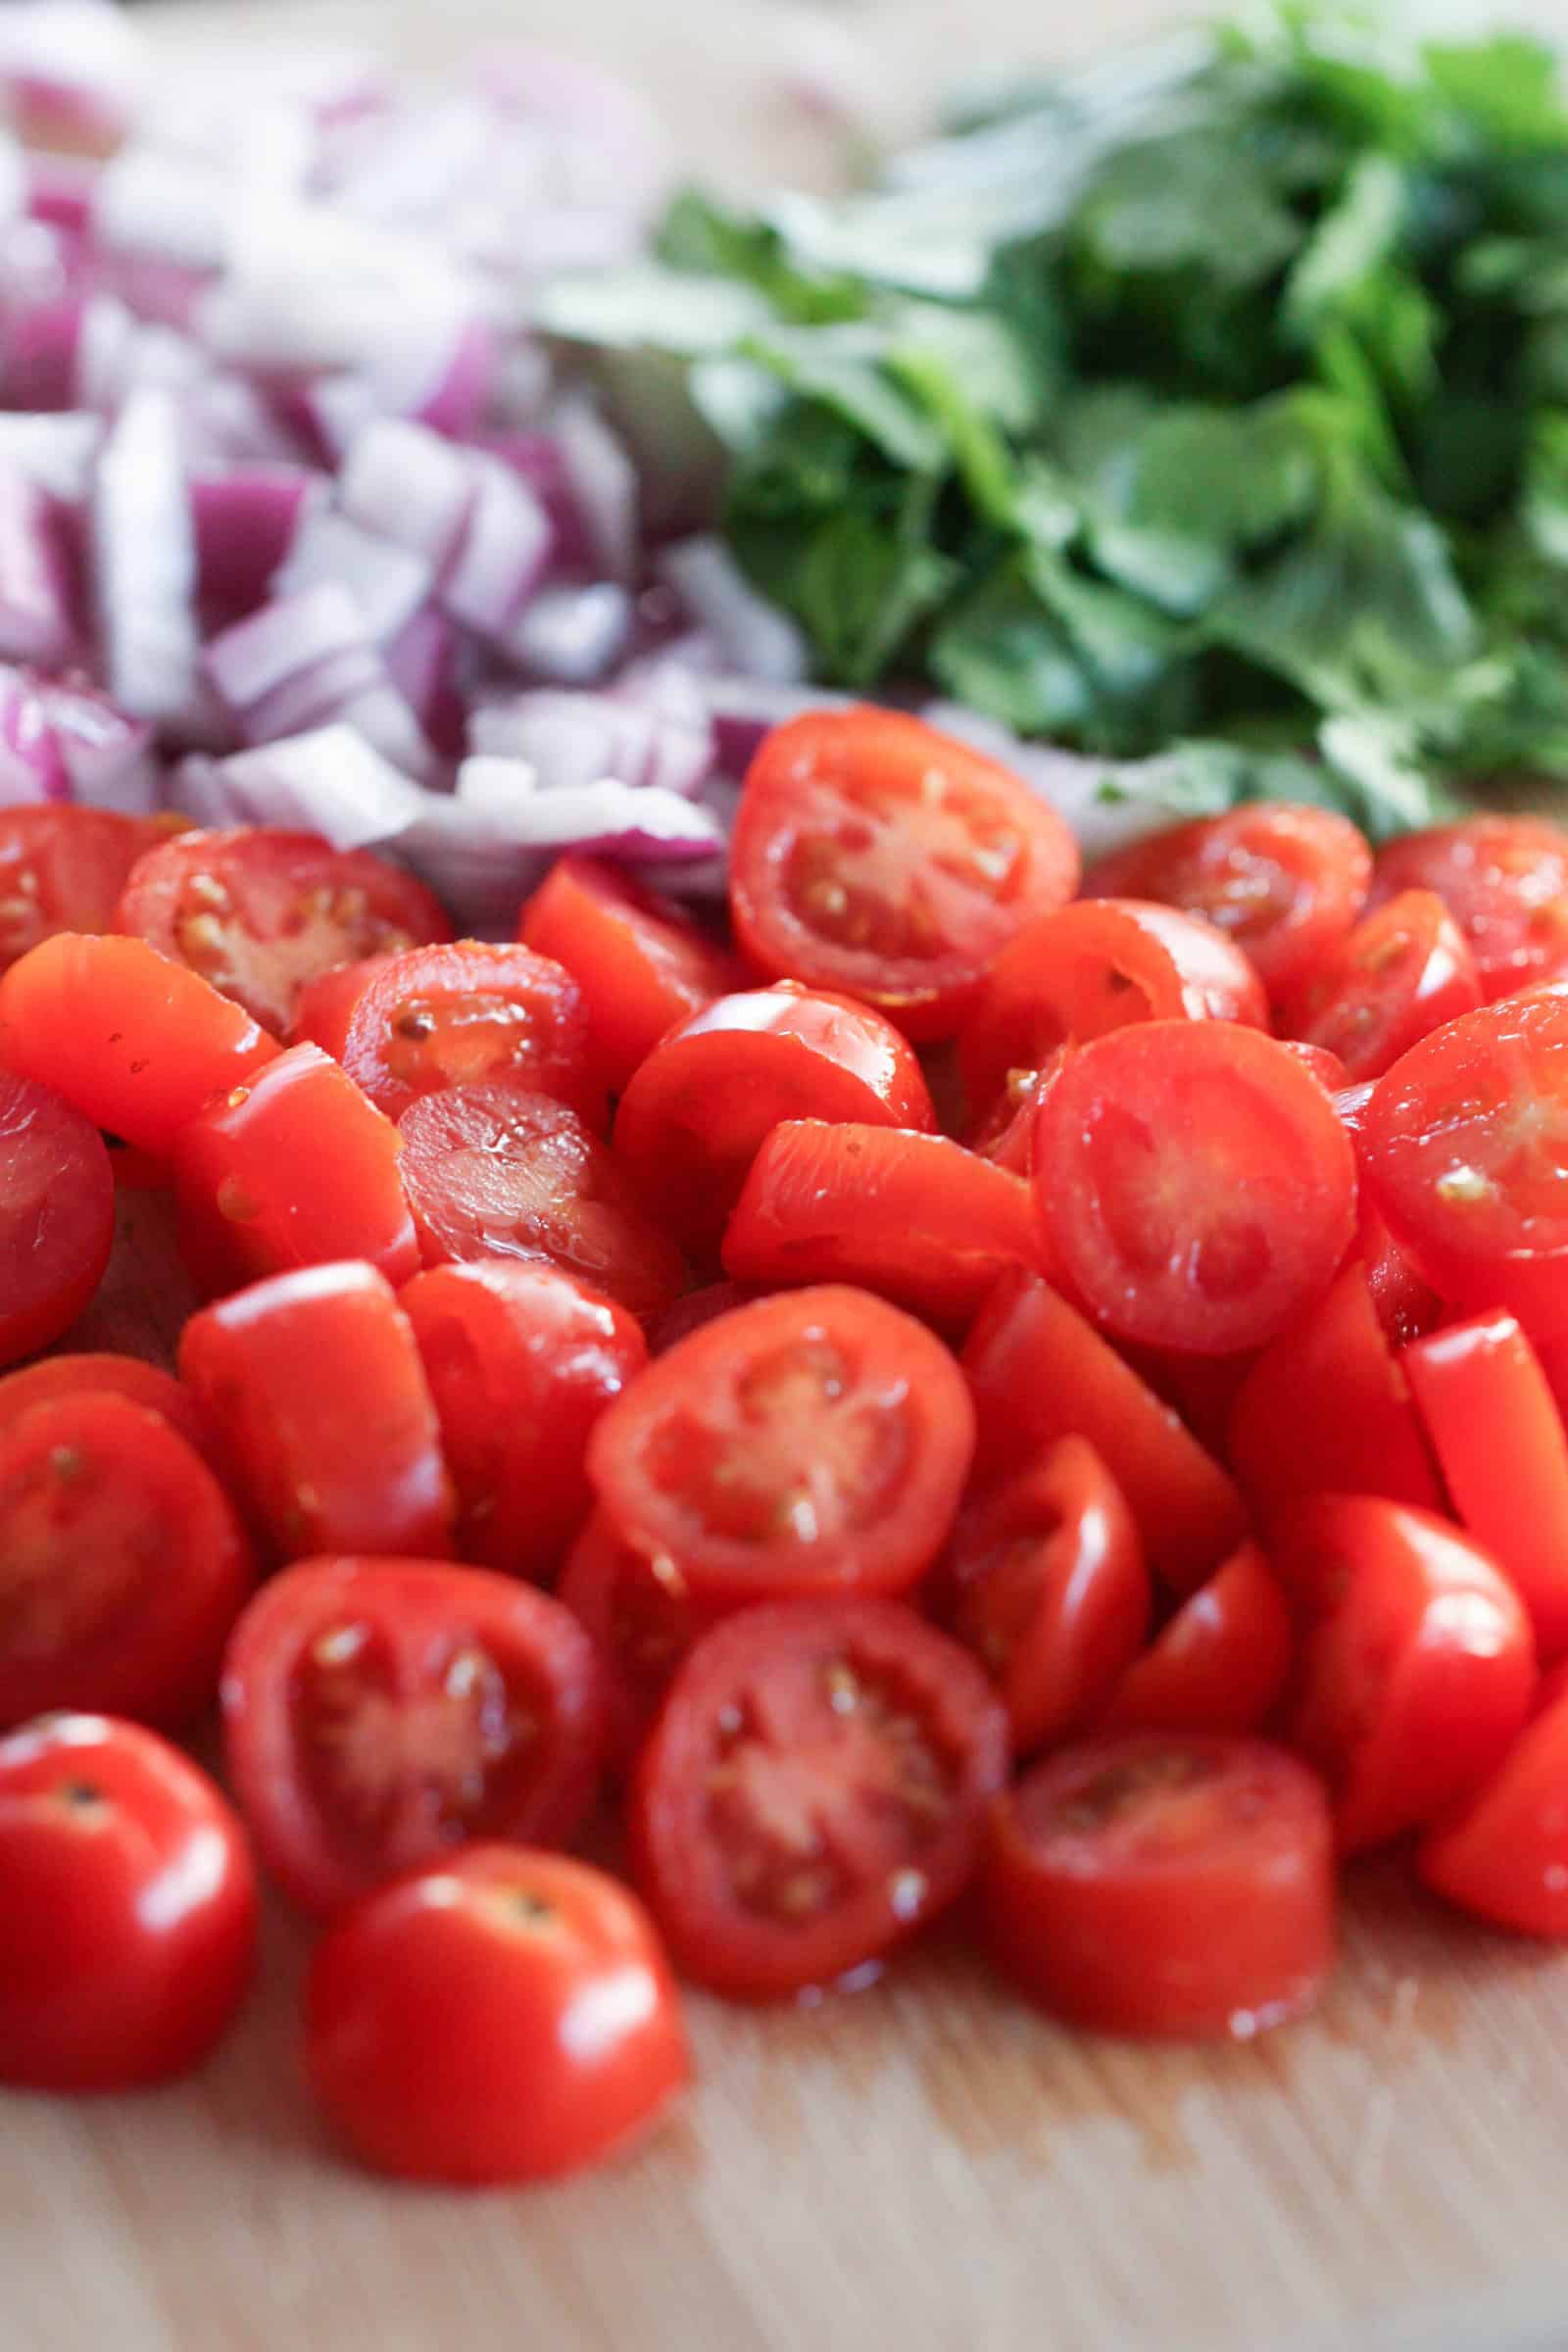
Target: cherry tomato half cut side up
point(1415, 1663)
point(261, 913)
point(915, 1218)
point(873, 856)
point(508, 2016)
point(319, 1406)
point(521, 1361)
point(1195, 1187)
point(294, 1168)
point(1220, 1664)
point(812, 1793)
point(111, 1375)
point(1503, 1854)
point(62, 868)
point(380, 1713)
point(122, 1564)
point(57, 1215)
point(813, 1441)
point(1165, 1882)
point(1285, 882)
point(464, 1013)
point(137, 1043)
point(1505, 880)
point(130, 1904)
point(643, 1617)
point(1402, 972)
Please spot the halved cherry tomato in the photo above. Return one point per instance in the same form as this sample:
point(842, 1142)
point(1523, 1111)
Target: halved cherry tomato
point(813, 1792)
point(1195, 1186)
point(1284, 881)
point(62, 868)
point(129, 1904)
point(1220, 1664)
point(1505, 880)
point(1326, 1066)
point(492, 1171)
point(1165, 1882)
point(641, 962)
point(1326, 1410)
point(815, 1441)
point(106, 1374)
point(261, 913)
point(135, 1042)
point(121, 1563)
point(1402, 972)
point(1202, 1389)
point(1500, 1438)
point(877, 856)
point(521, 1361)
point(293, 1169)
point(461, 1013)
point(1503, 1854)
point(1415, 1664)
point(1046, 1584)
point(319, 1404)
point(326, 1006)
point(693, 1115)
point(1406, 1306)
point(1039, 1372)
point(57, 1215)
point(377, 1713)
point(507, 2016)
point(915, 1218)
point(643, 1616)
point(1098, 964)
point(1006, 1137)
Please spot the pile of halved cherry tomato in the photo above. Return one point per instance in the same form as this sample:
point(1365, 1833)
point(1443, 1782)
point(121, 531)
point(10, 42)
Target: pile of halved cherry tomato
point(974, 1380)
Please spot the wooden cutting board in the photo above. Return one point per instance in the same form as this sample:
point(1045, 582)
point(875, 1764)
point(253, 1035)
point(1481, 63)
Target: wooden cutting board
point(921, 2167)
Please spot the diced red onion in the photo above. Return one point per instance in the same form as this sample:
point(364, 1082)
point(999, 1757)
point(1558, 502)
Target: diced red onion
point(643, 822)
point(35, 624)
point(388, 583)
point(144, 561)
point(72, 71)
point(246, 520)
point(177, 208)
point(57, 452)
point(283, 642)
point(330, 782)
point(427, 663)
point(1075, 786)
point(603, 483)
point(745, 709)
point(31, 767)
point(38, 355)
point(60, 191)
point(572, 740)
point(754, 636)
point(108, 759)
point(571, 636)
point(456, 399)
point(407, 484)
point(502, 554)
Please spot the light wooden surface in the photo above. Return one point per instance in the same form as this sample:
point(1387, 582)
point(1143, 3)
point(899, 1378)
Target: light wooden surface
point(922, 2167)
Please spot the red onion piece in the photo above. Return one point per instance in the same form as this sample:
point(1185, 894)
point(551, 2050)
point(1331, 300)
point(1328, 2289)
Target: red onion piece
point(34, 608)
point(405, 484)
point(572, 740)
point(753, 636)
point(388, 583)
point(329, 782)
point(144, 561)
point(246, 520)
point(107, 760)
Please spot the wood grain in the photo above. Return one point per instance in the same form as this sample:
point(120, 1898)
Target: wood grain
point(922, 2166)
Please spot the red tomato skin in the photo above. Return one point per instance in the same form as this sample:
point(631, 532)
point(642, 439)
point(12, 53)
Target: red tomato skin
point(101, 1503)
point(326, 1004)
point(1325, 1065)
point(571, 2042)
point(694, 1113)
point(137, 1043)
point(314, 1388)
point(1504, 880)
point(1415, 1664)
point(57, 1215)
point(1222, 1928)
point(521, 1361)
point(642, 1618)
point(1220, 1664)
point(641, 962)
point(1495, 1423)
point(1502, 1854)
point(1202, 1389)
point(914, 1217)
point(543, 1042)
point(1404, 970)
point(294, 1168)
point(414, 1608)
point(696, 1309)
point(62, 868)
point(124, 1376)
point(131, 1908)
point(1406, 1306)
point(826, 765)
point(718, 1940)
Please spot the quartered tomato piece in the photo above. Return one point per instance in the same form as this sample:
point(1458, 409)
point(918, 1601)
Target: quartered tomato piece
point(1503, 1854)
point(458, 1014)
point(380, 1713)
point(877, 856)
point(1402, 972)
point(1505, 880)
point(643, 1616)
point(261, 913)
point(1165, 1882)
point(813, 1792)
point(125, 1376)
point(1220, 1664)
point(493, 1172)
point(62, 868)
point(57, 1215)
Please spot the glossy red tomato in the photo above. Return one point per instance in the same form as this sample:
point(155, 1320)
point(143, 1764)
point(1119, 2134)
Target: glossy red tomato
point(319, 1406)
point(642, 964)
point(326, 1006)
point(506, 2016)
point(1503, 1853)
point(1220, 1664)
point(294, 1168)
point(121, 1563)
point(1415, 1664)
point(1284, 881)
point(1325, 1065)
point(874, 855)
point(1406, 1306)
point(693, 1115)
point(378, 1713)
point(1046, 1584)
point(521, 1361)
point(57, 1215)
point(1402, 972)
point(129, 1904)
point(914, 1217)
point(494, 1172)
point(1202, 1389)
point(1505, 880)
point(696, 1309)
point(461, 1013)
point(812, 1793)
point(126, 1376)
point(815, 1441)
point(1195, 1187)
point(1165, 1882)
point(137, 1043)
point(261, 913)
point(62, 868)
point(1038, 1372)
point(643, 1616)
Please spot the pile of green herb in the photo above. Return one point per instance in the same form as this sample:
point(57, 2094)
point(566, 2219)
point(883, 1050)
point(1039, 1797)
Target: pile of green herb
point(1214, 399)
